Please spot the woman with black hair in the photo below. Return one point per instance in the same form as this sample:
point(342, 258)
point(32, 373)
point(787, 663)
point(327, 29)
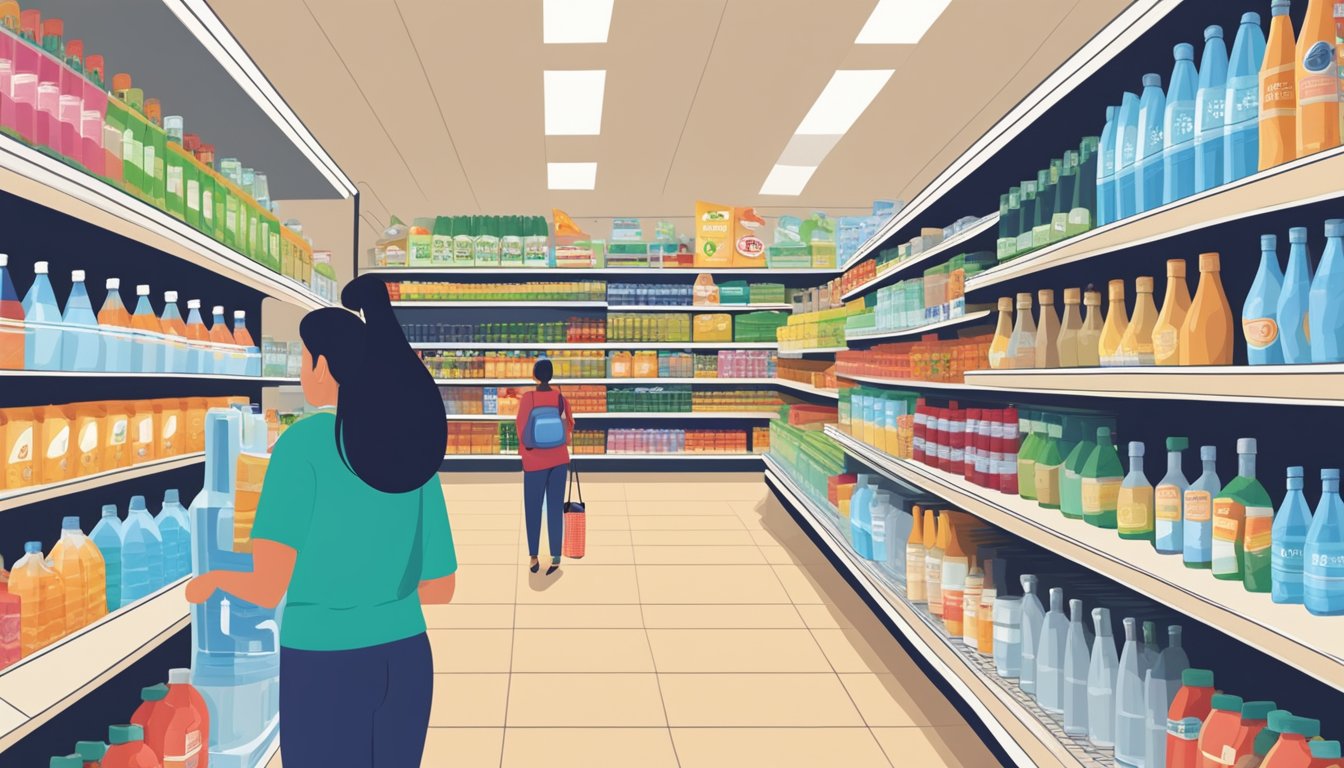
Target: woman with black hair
point(544, 428)
point(352, 528)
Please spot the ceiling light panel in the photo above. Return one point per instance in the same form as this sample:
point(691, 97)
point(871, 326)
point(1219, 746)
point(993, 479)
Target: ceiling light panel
point(900, 22)
point(571, 175)
point(574, 101)
point(575, 21)
point(844, 98)
point(787, 179)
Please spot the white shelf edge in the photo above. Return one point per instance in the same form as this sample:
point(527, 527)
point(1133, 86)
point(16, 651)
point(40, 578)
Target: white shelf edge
point(15, 373)
point(19, 497)
point(905, 383)
point(798, 386)
point(541, 346)
point(587, 271)
point(919, 329)
point(903, 616)
point(795, 353)
point(953, 242)
point(59, 183)
point(617, 456)
point(1144, 383)
point(694, 415)
point(498, 304)
point(1234, 617)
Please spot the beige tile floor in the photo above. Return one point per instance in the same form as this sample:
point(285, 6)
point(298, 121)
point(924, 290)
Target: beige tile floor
point(703, 629)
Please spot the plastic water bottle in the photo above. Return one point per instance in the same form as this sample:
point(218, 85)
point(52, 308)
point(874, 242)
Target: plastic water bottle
point(1101, 682)
point(198, 360)
point(82, 346)
point(1178, 134)
point(141, 553)
point(11, 320)
point(1129, 704)
point(175, 528)
point(1033, 618)
point(243, 338)
point(148, 355)
point(1291, 526)
point(1210, 111)
point(1259, 314)
point(175, 353)
point(1126, 157)
point(1241, 144)
point(42, 324)
point(42, 599)
point(1323, 555)
point(222, 338)
point(106, 535)
point(1050, 655)
point(1152, 114)
point(1077, 660)
point(1106, 169)
point(858, 504)
point(113, 321)
point(1161, 683)
point(1326, 306)
point(1295, 300)
point(1197, 531)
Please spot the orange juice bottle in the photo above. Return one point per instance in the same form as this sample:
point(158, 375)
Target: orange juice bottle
point(1136, 348)
point(1117, 322)
point(1206, 335)
point(83, 576)
point(220, 335)
point(148, 354)
point(43, 600)
point(1278, 91)
point(1317, 80)
point(113, 315)
point(11, 613)
point(175, 354)
point(249, 358)
point(197, 335)
point(1167, 329)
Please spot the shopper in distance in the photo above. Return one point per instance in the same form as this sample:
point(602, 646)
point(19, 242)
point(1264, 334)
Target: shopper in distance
point(545, 425)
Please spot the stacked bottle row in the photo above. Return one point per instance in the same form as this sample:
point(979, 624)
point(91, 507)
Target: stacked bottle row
point(504, 401)
point(85, 577)
point(597, 364)
point(575, 330)
point(496, 438)
point(640, 327)
point(465, 241)
point(1058, 202)
point(37, 335)
point(939, 295)
point(929, 359)
point(584, 290)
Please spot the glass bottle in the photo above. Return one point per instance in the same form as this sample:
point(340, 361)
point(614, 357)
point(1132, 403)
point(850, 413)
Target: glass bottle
point(1258, 315)
point(1071, 477)
point(1027, 214)
point(1175, 305)
point(1102, 475)
point(1101, 679)
point(1198, 529)
point(914, 559)
point(1003, 334)
point(1129, 705)
point(1083, 215)
point(1326, 304)
point(1291, 525)
point(1323, 554)
point(1161, 684)
point(1136, 347)
point(934, 530)
point(1047, 332)
point(1022, 346)
point(1117, 321)
point(1033, 616)
point(1089, 336)
point(1134, 506)
point(1243, 513)
point(1206, 335)
point(1077, 661)
point(1294, 300)
point(1048, 464)
point(1169, 501)
point(1066, 345)
point(1050, 655)
point(1032, 423)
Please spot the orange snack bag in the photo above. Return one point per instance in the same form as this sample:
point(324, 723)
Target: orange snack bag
point(54, 444)
point(19, 438)
point(144, 428)
point(88, 450)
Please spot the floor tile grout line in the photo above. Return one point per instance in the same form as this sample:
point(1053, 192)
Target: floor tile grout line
point(513, 643)
point(657, 679)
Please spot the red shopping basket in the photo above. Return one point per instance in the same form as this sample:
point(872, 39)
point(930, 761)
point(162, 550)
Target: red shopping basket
point(576, 522)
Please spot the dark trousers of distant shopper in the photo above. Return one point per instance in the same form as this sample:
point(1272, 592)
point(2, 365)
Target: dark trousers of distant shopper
point(548, 483)
point(362, 708)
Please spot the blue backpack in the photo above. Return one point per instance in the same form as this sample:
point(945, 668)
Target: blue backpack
point(545, 427)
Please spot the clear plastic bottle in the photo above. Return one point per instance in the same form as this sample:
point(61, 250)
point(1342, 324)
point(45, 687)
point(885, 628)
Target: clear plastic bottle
point(1050, 655)
point(1161, 683)
point(11, 320)
point(1152, 114)
point(175, 529)
point(1259, 323)
point(221, 340)
point(1077, 663)
point(106, 535)
point(1033, 618)
point(1326, 304)
point(1295, 300)
point(176, 355)
point(1169, 501)
point(1178, 135)
point(859, 503)
point(83, 575)
point(148, 355)
point(1210, 111)
point(1129, 702)
point(198, 360)
point(1323, 555)
point(42, 324)
point(1291, 526)
point(251, 362)
point(1008, 636)
point(1197, 533)
point(1101, 676)
point(142, 553)
point(1126, 157)
point(42, 599)
point(113, 320)
point(1241, 143)
point(82, 344)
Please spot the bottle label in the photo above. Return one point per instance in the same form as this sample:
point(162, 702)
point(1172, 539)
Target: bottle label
point(1324, 568)
point(174, 180)
point(1278, 95)
point(1047, 484)
point(1258, 536)
point(1198, 506)
point(1180, 123)
point(23, 447)
point(88, 437)
point(1228, 518)
point(1319, 83)
point(60, 444)
point(1164, 342)
point(1133, 510)
point(1260, 332)
point(1185, 729)
point(1100, 494)
point(1167, 502)
point(194, 195)
point(1243, 95)
point(118, 436)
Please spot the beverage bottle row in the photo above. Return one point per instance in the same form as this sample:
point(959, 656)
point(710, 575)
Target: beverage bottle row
point(1292, 316)
point(38, 335)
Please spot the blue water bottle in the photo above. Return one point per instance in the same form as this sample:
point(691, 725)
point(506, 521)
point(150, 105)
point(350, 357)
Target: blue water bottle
point(1152, 115)
point(1126, 157)
point(1178, 129)
point(1241, 137)
point(1326, 308)
point(1294, 300)
point(1259, 315)
point(1210, 111)
point(1106, 169)
point(42, 324)
point(1289, 538)
point(1323, 555)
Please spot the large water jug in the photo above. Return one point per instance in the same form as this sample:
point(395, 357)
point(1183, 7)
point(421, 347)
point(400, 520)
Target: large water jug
point(235, 644)
point(1178, 131)
point(42, 324)
point(82, 345)
point(107, 536)
point(1210, 111)
point(83, 575)
point(175, 528)
point(141, 553)
point(1241, 143)
point(42, 606)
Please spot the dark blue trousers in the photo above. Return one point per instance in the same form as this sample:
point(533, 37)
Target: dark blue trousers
point(551, 484)
point(362, 708)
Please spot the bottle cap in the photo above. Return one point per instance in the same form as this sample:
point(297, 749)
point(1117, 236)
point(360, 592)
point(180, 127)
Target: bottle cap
point(1152, 80)
point(66, 761)
point(1280, 7)
point(137, 502)
point(1143, 284)
point(32, 547)
point(218, 309)
point(1178, 443)
point(77, 275)
point(1269, 242)
point(1246, 445)
point(1208, 453)
point(1208, 262)
point(1197, 678)
point(1278, 719)
point(1092, 299)
point(109, 510)
point(1227, 701)
point(193, 304)
point(1103, 434)
point(1213, 31)
point(1329, 474)
point(91, 751)
point(239, 314)
point(1176, 268)
point(70, 523)
point(1324, 750)
point(1046, 296)
point(170, 496)
point(4, 259)
point(1295, 472)
point(142, 290)
point(40, 268)
point(154, 693)
point(1135, 449)
point(1024, 301)
point(113, 283)
point(1257, 710)
point(1110, 113)
point(1072, 295)
point(1297, 235)
point(124, 734)
point(1302, 726)
point(1116, 290)
point(170, 297)
point(1005, 304)
point(179, 675)
point(1250, 17)
point(1334, 227)
point(1186, 51)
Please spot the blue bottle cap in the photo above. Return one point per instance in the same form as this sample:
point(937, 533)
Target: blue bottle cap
point(1135, 449)
point(1186, 51)
point(1295, 471)
point(1213, 31)
point(1250, 17)
point(1334, 227)
point(1269, 242)
point(137, 501)
point(1245, 445)
point(32, 547)
point(170, 496)
point(109, 510)
point(1297, 235)
point(1280, 7)
point(1151, 80)
point(1208, 453)
point(1329, 474)
point(70, 524)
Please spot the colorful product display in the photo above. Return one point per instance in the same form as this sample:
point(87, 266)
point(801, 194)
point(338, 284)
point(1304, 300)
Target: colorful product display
point(926, 360)
point(596, 364)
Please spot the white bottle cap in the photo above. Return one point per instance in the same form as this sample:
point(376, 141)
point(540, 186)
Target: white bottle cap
point(77, 275)
point(142, 290)
point(180, 676)
point(113, 283)
point(170, 297)
point(40, 268)
point(218, 309)
point(4, 259)
point(194, 304)
point(239, 315)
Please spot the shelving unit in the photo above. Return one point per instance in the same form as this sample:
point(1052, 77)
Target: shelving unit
point(489, 345)
point(561, 272)
point(21, 497)
point(635, 382)
point(593, 305)
point(947, 247)
point(672, 415)
point(905, 383)
point(918, 330)
point(1264, 384)
point(701, 308)
point(617, 457)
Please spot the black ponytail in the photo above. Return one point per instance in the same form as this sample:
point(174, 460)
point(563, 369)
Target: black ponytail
point(390, 428)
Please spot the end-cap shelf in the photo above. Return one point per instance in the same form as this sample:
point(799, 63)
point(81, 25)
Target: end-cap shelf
point(39, 688)
point(44, 180)
point(1319, 384)
point(1285, 632)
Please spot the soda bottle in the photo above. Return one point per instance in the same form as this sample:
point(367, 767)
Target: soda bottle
point(175, 353)
point(148, 355)
point(82, 349)
point(1317, 81)
point(117, 344)
point(42, 599)
point(42, 324)
point(1278, 91)
point(198, 361)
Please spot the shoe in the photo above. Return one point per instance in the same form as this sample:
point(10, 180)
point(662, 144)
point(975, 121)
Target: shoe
point(536, 567)
point(555, 566)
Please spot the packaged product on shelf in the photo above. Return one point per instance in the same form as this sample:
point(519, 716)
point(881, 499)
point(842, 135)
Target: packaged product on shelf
point(1241, 147)
point(1197, 531)
point(1169, 501)
point(42, 600)
point(1317, 86)
point(1323, 552)
point(1102, 476)
point(1206, 335)
point(52, 463)
point(1135, 504)
point(1175, 305)
point(1115, 326)
point(1258, 321)
point(1210, 111)
point(1325, 309)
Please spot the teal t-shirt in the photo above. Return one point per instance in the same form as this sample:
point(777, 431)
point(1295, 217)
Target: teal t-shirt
point(362, 553)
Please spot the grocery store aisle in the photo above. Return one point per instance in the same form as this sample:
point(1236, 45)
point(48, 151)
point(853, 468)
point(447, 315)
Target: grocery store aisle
point(702, 629)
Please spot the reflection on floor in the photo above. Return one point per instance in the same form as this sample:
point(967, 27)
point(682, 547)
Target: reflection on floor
point(702, 629)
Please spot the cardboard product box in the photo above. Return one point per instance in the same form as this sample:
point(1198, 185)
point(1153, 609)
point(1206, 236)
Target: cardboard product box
point(713, 327)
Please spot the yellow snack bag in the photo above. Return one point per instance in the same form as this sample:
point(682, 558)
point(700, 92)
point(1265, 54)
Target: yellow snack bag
point(713, 235)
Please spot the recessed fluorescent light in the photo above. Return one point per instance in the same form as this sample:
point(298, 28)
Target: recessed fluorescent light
point(571, 175)
point(900, 22)
point(574, 101)
point(787, 179)
point(575, 21)
point(844, 98)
